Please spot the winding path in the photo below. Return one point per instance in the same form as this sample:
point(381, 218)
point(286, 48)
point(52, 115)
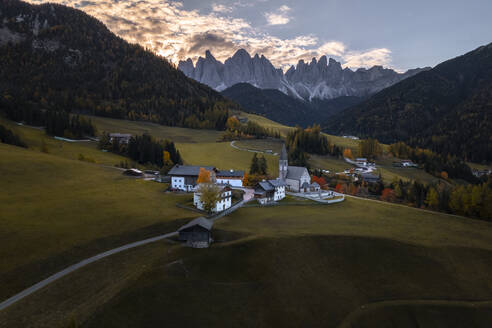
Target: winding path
point(72, 268)
point(233, 145)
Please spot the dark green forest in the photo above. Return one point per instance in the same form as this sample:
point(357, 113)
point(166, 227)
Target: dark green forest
point(73, 63)
point(447, 109)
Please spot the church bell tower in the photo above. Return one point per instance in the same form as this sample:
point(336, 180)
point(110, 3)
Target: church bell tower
point(283, 163)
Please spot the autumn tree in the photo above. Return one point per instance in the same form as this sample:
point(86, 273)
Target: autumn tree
point(347, 153)
point(444, 175)
point(432, 199)
point(245, 179)
point(203, 176)
point(209, 196)
point(388, 195)
point(370, 148)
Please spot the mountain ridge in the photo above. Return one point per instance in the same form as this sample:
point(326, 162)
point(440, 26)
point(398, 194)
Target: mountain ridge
point(322, 79)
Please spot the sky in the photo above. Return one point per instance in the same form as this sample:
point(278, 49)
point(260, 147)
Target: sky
point(400, 34)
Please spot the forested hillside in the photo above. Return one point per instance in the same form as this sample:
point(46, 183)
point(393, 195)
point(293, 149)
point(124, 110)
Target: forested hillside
point(279, 107)
point(58, 58)
point(447, 109)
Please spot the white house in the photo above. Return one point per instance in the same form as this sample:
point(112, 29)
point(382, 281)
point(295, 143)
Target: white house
point(183, 177)
point(294, 176)
point(224, 203)
point(270, 191)
point(231, 177)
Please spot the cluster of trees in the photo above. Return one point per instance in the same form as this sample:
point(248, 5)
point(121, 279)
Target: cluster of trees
point(236, 130)
point(9, 137)
point(73, 127)
point(258, 165)
point(370, 149)
point(104, 76)
point(144, 149)
point(434, 163)
point(300, 141)
point(57, 123)
point(468, 200)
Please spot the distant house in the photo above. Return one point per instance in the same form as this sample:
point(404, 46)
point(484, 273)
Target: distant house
point(231, 177)
point(224, 203)
point(408, 163)
point(197, 233)
point(294, 176)
point(370, 178)
point(183, 177)
point(122, 138)
point(481, 173)
point(270, 191)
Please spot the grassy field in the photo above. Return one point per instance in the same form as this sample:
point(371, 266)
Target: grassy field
point(55, 211)
point(292, 266)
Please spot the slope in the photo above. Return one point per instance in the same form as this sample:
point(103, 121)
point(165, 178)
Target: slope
point(447, 109)
point(59, 58)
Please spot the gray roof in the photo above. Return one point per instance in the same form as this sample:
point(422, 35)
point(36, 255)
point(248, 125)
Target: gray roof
point(120, 135)
point(277, 182)
point(295, 172)
point(306, 185)
point(369, 176)
point(283, 153)
point(315, 184)
point(193, 170)
point(267, 186)
point(201, 221)
point(230, 173)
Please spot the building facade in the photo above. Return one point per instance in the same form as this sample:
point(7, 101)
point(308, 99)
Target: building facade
point(183, 177)
point(230, 177)
point(224, 203)
point(270, 191)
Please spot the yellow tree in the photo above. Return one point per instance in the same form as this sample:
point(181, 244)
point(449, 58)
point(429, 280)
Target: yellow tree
point(166, 158)
point(432, 199)
point(203, 176)
point(347, 153)
point(209, 196)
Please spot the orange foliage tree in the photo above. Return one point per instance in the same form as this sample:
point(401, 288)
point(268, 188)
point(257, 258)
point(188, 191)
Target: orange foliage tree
point(319, 180)
point(203, 176)
point(388, 195)
point(347, 152)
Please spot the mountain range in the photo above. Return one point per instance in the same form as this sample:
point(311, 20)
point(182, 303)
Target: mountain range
point(319, 79)
point(447, 109)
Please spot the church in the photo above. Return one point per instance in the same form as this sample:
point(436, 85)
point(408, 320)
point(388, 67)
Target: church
point(295, 177)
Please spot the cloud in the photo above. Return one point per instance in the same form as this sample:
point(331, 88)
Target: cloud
point(218, 8)
point(281, 17)
point(175, 33)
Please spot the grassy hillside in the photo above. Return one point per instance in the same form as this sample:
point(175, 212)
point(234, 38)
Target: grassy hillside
point(286, 266)
point(55, 211)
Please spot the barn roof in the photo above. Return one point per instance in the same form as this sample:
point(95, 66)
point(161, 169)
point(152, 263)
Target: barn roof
point(193, 170)
point(295, 172)
point(201, 221)
point(230, 173)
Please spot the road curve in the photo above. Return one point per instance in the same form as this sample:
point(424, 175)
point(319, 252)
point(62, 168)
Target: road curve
point(72, 268)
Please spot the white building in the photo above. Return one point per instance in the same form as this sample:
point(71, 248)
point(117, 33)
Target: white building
point(183, 177)
point(231, 177)
point(294, 176)
point(270, 191)
point(224, 203)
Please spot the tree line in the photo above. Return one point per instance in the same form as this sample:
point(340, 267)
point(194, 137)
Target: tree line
point(144, 149)
point(236, 130)
point(434, 163)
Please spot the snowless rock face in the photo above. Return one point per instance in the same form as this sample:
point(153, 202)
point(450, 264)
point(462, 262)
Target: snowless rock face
point(324, 79)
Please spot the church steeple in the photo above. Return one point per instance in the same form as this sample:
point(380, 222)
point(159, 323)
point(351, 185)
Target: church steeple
point(283, 163)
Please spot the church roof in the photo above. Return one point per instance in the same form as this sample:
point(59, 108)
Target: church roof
point(283, 153)
point(295, 172)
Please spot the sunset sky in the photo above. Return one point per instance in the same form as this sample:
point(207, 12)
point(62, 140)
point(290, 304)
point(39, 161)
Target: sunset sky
point(359, 33)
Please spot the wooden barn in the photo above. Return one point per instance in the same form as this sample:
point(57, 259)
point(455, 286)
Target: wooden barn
point(197, 233)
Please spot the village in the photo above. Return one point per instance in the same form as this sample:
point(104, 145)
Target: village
point(212, 193)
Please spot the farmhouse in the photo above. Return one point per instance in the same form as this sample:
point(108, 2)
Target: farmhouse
point(270, 191)
point(294, 176)
point(122, 138)
point(197, 233)
point(183, 177)
point(231, 177)
point(224, 203)
point(370, 178)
